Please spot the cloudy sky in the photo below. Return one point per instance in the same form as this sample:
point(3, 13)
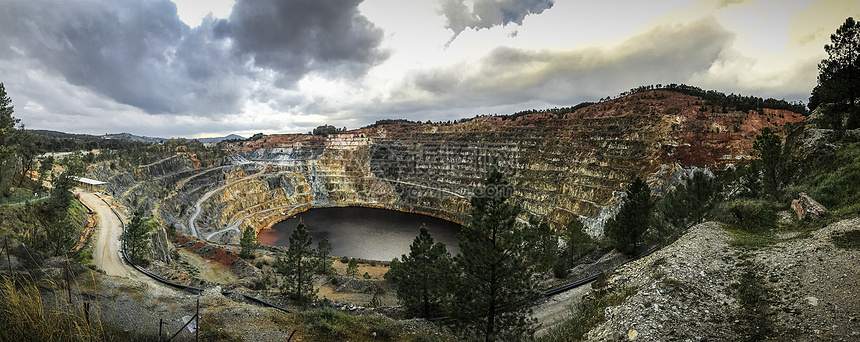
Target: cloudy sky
point(197, 68)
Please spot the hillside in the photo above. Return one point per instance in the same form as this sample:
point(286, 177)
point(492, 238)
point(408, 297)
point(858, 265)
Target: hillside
point(804, 286)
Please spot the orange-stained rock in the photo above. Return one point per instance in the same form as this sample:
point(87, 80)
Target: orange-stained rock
point(806, 207)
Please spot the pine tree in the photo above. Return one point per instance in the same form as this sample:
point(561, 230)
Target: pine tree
point(45, 166)
point(685, 206)
point(323, 256)
point(749, 176)
point(297, 267)
point(59, 230)
point(8, 142)
point(136, 235)
point(626, 229)
point(839, 75)
point(577, 242)
point(768, 150)
point(248, 242)
point(493, 288)
point(543, 244)
point(701, 193)
point(352, 268)
point(419, 275)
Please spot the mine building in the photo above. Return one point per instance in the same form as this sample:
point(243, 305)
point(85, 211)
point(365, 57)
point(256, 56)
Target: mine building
point(90, 184)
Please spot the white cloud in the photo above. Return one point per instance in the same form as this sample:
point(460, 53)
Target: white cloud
point(192, 12)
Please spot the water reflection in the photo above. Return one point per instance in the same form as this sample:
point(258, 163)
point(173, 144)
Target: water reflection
point(367, 233)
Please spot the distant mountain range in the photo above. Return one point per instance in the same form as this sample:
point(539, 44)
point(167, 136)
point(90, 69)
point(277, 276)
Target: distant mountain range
point(219, 139)
point(124, 137)
point(132, 137)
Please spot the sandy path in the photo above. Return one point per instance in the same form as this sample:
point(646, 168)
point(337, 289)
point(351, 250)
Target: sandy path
point(107, 240)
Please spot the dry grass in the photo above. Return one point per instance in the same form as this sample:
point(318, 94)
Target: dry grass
point(376, 272)
point(26, 314)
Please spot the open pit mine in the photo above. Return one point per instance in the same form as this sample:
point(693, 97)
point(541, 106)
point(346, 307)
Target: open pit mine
point(562, 167)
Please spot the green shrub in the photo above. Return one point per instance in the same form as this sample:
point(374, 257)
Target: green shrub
point(327, 324)
point(847, 240)
point(84, 255)
point(560, 268)
point(835, 184)
point(747, 214)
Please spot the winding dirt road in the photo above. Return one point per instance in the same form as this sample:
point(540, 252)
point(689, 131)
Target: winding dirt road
point(107, 240)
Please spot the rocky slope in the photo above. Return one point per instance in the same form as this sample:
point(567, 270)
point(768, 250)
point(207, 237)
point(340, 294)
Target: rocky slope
point(688, 291)
point(568, 167)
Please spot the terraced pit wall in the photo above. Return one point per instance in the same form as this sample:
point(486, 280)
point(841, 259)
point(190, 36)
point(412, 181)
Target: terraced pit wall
point(561, 168)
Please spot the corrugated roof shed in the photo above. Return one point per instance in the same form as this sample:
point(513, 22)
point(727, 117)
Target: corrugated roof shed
point(90, 181)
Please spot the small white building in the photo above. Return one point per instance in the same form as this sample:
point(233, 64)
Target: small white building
point(90, 184)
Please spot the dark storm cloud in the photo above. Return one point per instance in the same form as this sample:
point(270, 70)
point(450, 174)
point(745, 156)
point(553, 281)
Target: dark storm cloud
point(297, 36)
point(118, 49)
point(510, 76)
point(489, 13)
point(139, 53)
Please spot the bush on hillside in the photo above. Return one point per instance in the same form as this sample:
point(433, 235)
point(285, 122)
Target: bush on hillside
point(748, 214)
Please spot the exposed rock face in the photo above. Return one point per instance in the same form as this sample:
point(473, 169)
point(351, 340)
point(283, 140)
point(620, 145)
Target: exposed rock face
point(806, 207)
point(160, 246)
point(562, 168)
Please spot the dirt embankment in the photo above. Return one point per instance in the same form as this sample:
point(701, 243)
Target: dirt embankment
point(689, 290)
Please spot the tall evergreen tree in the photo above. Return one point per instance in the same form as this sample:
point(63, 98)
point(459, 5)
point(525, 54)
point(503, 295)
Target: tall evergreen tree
point(626, 229)
point(298, 265)
point(749, 178)
point(29, 146)
point(687, 205)
point(8, 142)
point(768, 150)
point(577, 242)
point(839, 75)
point(493, 288)
point(352, 268)
point(59, 230)
point(419, 275)
point(46, 164)
point(248, 242)
point(323, 256)
point(136, 235)
point(543, 244)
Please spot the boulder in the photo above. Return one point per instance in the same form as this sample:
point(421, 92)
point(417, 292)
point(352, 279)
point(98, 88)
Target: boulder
point(806, 207)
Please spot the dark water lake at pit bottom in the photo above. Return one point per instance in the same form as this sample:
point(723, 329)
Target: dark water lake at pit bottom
point(367, 233)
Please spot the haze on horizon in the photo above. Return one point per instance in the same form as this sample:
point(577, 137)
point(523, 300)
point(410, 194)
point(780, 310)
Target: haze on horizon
point(193, 68)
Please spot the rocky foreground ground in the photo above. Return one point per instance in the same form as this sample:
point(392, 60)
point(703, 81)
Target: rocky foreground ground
point(688, 291)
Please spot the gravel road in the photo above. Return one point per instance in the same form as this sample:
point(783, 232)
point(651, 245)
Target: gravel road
point(107, 240)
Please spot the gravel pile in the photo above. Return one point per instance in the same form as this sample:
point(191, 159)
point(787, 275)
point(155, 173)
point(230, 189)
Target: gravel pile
point(683, 292)
point(816, 285)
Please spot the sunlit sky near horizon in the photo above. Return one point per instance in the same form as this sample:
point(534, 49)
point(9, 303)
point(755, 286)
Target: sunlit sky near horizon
point(195, 68)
